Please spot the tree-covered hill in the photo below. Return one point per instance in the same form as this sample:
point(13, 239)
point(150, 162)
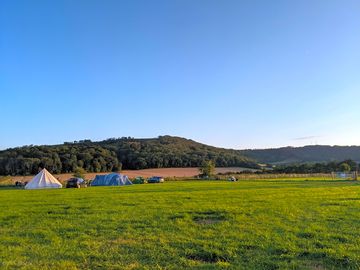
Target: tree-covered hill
point(114, 154)
point(306, 154)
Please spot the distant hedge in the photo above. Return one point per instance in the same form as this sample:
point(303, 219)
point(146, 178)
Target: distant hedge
point(347, 165)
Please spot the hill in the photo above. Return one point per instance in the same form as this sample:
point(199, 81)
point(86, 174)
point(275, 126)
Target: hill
point(306, 154)
point(116, 153)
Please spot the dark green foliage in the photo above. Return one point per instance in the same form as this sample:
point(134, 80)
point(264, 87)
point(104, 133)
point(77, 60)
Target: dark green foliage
point(79, 172)
point(344, 166)
point(167, 151)
point(207, 168)
point(115, 154)
point(57, 159)
point(311, 153)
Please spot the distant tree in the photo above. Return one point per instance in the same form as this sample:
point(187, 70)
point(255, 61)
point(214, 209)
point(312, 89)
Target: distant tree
point(117, 167)
point(79, 172)
point(344, 167)
point(96, 166)
point(352, 164)
point(207, 168)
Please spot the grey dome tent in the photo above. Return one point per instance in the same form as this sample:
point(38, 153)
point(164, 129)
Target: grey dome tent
point(112, 179)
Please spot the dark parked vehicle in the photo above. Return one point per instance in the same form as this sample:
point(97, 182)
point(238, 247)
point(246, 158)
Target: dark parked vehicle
point(139, 180)
point(76, 183)
point(20, 184)
point(156, 179)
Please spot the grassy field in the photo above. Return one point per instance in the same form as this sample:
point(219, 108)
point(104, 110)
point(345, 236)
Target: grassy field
point(184, 225)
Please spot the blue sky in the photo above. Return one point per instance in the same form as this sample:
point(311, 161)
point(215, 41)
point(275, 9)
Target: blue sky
point(237, 74)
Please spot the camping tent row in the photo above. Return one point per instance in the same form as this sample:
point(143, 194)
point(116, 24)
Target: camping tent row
point(44, 179)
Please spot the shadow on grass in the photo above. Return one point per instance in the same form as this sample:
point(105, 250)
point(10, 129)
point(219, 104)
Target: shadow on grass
point(10, 187)
point(209, 217)
point(342, 262)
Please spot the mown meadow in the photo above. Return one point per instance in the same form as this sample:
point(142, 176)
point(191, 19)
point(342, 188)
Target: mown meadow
point(259, 224)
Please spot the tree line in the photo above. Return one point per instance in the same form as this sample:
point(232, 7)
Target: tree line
point(343, 166)
point(58, 159)
point(306, 154)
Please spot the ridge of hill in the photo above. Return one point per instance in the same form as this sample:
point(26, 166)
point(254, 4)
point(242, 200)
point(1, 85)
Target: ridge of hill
point(116, 153)
point(305, 154)
point(161, 152)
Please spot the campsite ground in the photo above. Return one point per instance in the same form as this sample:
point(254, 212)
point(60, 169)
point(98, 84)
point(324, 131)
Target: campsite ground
point(165, 172)
point(285, 224)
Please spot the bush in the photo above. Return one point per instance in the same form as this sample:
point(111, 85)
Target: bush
point(79, 173)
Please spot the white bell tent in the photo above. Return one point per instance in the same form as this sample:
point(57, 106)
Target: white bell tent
point(43, 179)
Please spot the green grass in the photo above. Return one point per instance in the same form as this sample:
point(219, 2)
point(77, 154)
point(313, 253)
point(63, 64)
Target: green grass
point(184, 225)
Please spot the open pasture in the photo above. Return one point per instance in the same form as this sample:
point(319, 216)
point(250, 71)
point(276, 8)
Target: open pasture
point(281, 224)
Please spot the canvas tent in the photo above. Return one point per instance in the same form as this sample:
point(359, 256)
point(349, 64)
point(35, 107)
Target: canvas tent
point(43, 179)
point(113, 179)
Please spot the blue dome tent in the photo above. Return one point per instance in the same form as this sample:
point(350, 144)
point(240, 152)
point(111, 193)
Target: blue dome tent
point(112, 179)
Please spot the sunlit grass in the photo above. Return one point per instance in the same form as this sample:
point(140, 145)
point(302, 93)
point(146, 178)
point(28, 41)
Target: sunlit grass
point(184, 225)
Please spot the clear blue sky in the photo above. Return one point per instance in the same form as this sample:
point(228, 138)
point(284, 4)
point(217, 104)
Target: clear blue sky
point(232, 73)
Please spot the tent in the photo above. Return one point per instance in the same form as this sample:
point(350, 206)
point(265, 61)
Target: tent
point(112, 179)
point(43, 179)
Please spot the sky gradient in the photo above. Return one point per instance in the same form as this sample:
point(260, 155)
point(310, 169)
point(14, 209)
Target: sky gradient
point(236, 74)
